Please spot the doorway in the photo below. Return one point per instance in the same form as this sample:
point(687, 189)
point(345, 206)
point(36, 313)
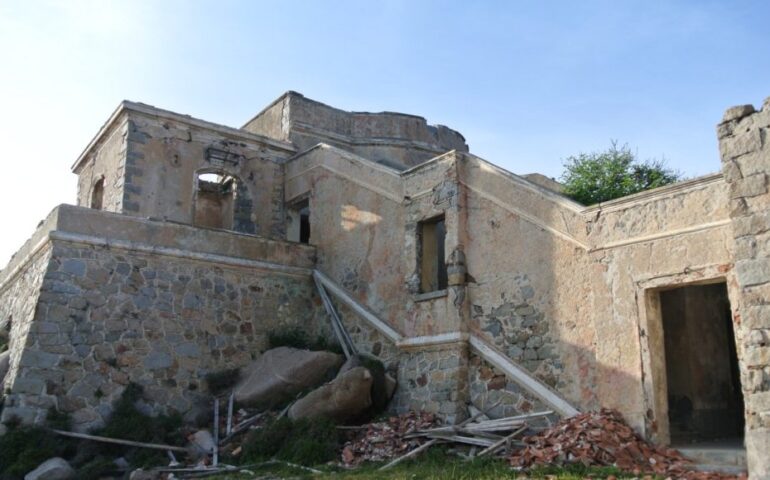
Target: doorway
point(705, 401)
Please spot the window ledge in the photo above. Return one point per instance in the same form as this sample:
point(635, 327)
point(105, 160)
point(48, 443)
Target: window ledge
point(422, 297)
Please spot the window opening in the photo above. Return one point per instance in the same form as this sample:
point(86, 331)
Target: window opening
point(215, 199)
point(97, 195)
point(298, 228)
point(431, 261)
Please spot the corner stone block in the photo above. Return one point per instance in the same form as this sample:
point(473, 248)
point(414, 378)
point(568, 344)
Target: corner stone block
point(737, 112)
point(753, 272)
point(750, 186)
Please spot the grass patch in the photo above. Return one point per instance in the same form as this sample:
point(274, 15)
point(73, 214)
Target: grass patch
point(22, 449)
point(435, 464)
point(128, 423)
point(306, 442)
point(295, 337)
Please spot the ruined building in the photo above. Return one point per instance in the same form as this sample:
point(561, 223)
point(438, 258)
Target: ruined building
point(191, 241)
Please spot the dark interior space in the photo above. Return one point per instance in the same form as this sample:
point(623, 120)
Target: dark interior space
point(704, 393)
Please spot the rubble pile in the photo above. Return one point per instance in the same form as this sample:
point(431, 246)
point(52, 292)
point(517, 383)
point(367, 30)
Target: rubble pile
point(386, 440)
point(604, 439)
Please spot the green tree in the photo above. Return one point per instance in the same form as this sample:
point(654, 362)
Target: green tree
point(591, 178)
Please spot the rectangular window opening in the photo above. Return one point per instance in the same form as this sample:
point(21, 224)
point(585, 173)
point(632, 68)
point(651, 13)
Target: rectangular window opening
point(298, 222)
point(432, 266)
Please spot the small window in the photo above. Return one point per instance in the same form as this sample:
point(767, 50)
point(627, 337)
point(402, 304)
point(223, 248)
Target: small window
point(298, 228)
point(215, 198)
point(97, 195)
point(433, 275)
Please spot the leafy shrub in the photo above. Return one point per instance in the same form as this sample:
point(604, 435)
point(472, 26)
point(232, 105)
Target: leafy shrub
point(220, 382)
point(591, 178)
point(22, 449)
point(128, 423)
point(295, 337)
point(305, 441)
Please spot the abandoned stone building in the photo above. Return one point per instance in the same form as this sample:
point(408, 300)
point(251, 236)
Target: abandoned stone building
point(191, 240)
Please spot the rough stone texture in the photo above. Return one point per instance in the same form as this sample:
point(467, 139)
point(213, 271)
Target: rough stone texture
point(743, 140)
point(496, 395)
point(281, 373)
point(394, 139)
point(433, 380)
point(106, 317)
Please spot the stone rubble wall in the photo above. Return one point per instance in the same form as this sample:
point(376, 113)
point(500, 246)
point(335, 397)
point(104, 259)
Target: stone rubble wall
point(496, 395)
point(18, 307)
point(433, 380)
point(108, 316)
point(744, 146)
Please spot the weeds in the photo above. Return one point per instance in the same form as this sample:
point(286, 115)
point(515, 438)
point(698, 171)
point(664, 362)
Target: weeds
point(297, 338)
point(307, 442)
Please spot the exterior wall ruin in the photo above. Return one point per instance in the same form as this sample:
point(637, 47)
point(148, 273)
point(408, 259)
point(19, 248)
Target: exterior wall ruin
point(393, 139)
point(548, 304)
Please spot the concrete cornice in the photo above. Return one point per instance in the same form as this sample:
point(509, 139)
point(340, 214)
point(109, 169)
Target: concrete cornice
point(149, 110)
point(654, 194)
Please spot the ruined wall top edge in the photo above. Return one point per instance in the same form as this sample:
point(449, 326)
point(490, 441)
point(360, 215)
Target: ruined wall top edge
point(125, 107)
point(113, 230)
point(295, 111)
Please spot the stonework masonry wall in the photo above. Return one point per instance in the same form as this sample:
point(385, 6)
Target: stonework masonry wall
point(18, 306)
point(106, 318)
point(394, 139)
point(744, 145)
point(106, 161)
point(94, 308)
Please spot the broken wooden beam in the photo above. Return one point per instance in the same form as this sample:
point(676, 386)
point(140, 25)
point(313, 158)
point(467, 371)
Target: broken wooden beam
point(119, 441)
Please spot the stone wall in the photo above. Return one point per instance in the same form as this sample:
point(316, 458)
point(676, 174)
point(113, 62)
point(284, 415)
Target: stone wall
point(105, 162)
point(745, 151)
point(434, 380)
point(395, 139)
point(496, 395)
point(18, 306)
point(110, 313)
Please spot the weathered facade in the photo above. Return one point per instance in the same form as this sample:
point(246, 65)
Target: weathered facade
point(192, 240)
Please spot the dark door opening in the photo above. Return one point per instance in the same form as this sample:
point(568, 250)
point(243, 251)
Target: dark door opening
point(705, 402)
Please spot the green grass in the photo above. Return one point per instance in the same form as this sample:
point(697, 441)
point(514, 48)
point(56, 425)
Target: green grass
point(435, 464)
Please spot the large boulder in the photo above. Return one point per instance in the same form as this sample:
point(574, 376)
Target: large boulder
point(347, 396)
point(281, 373)
point(5, 365)
point(52, 469)
point(382, 389)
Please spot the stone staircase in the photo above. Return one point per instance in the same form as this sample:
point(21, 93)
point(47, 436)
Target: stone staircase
point(726, 457)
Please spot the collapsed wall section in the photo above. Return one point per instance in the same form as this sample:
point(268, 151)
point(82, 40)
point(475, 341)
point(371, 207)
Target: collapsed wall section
point(112, 312)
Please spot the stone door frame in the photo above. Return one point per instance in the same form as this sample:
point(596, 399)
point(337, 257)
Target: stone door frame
point(652, 346)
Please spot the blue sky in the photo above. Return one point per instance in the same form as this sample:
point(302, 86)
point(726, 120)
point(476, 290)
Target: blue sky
point(527, 83)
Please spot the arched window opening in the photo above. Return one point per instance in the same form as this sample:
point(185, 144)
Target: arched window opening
point(97, 195)
point(216, 196)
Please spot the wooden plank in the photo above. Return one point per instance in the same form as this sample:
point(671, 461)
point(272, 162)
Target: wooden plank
point(523, 378)
point(411, 454)
point(502, 442)
point(365, 314)
point(118, 441)
point(334, 319)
